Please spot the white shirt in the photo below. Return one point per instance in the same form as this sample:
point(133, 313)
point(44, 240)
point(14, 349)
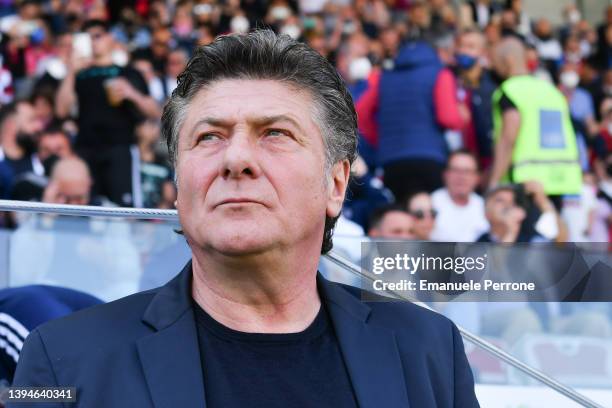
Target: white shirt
point(458, 223)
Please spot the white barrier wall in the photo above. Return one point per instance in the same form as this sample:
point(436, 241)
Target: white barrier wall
point(502, 396)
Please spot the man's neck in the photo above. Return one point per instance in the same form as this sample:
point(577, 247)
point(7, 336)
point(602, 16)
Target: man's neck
point(103, 61)
point(257, 295)
point(519, 70)
point(460, 199)
point(472, 76)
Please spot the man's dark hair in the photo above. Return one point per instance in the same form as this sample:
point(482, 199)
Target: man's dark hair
point(95, 23)
point(264, 55)
point(379, 213)
point(55, 128)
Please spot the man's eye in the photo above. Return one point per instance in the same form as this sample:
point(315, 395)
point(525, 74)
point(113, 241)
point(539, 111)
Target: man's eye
point(208, 137)
point(276, 133)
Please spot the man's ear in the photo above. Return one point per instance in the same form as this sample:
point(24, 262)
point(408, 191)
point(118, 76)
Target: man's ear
point(338, 182)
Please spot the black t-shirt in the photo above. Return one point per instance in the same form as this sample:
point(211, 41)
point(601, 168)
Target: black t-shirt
point(254, 370)
point(101, 124)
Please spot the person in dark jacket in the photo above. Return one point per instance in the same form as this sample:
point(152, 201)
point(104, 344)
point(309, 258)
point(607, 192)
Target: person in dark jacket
point(24, 308)
point(413, 103)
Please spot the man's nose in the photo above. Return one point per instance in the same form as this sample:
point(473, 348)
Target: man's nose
point(240, 157)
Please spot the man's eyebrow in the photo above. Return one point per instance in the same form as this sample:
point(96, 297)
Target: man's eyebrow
point(267, 120)
point(210, 121)
point(257, 121)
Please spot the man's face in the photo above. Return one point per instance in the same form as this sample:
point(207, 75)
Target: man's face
point(421, 208)
point(27, 121)
point(250, 168)
point(471, 44)
point(461, 176)
point(395, 224)
point(53, 144)
point(160, 43)
point(73, 191)
point(175, 64)
point(101, 41)
point(500, 208)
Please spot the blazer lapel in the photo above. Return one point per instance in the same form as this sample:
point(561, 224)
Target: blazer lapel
point(370, 353)
point(170, 357)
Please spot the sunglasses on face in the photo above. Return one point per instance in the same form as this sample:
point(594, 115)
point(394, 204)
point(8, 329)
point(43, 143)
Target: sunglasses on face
point(96, 36)
point(422, 214)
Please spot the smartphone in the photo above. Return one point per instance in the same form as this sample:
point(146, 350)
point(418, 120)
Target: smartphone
point(81, 45)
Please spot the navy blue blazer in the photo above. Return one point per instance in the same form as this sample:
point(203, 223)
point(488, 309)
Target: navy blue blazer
point(142, 351)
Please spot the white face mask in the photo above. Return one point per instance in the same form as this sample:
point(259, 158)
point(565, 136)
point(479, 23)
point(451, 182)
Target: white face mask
point(280, 12)
point(359, 68)
point(120, 58)
point(570, 79)
point(292, 31)
point(239, 24)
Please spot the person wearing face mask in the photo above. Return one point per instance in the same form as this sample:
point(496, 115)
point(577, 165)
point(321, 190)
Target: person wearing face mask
point(581, 108)
point(476, 83)
point(533, 133)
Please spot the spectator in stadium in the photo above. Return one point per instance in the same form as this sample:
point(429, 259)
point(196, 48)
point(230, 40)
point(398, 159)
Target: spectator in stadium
point(476, 82)
point(19, 130)
point(581, 109)
point(24, 308)
point(53, 145)
point(70, 183)
point(391, 222)
point(261, 181)
point(175, 64)
point(522, 213)
point(547, 45)
point(420, 206)
point(504, 216)
point(534, 138)
point(155, 86)
point(478, 13)
point(460, 210)
point(111, 100)
point(601, 229)
point(580, 102)
point(153, 166)
point(414, 102)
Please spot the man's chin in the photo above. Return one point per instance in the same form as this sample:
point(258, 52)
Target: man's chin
point(243, 242)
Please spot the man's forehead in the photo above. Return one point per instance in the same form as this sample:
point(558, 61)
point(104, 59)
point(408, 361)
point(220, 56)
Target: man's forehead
point(250, 100)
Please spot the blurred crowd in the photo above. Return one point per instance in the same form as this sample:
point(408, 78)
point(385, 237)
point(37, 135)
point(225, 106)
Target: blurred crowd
point(458, 140)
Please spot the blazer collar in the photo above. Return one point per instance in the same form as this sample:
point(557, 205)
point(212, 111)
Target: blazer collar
point(370, 352)
point(171, 301)
point(171, 357)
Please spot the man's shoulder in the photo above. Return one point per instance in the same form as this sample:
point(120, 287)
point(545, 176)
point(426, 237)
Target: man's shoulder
point(399, 315)
point(116, 321)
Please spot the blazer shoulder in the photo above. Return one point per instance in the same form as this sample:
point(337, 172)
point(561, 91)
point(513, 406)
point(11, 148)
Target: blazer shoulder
point(399, 315)
point(101, 323)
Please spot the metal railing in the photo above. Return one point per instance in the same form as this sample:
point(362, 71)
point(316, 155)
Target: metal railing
point(171, 215)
